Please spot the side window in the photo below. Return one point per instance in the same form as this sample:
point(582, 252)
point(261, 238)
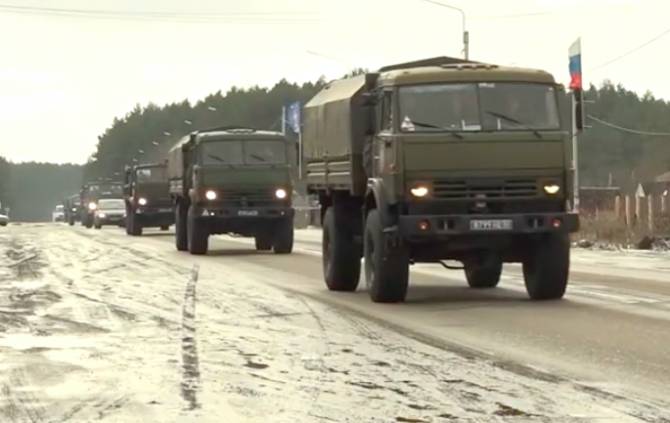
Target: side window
point(386, 122)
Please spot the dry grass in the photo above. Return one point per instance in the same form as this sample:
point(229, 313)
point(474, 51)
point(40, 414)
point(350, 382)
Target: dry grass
point(607, 228)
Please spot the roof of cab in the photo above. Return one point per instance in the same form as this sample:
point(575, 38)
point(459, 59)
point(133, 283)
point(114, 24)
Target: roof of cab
point(227, 132)
point(463, 72)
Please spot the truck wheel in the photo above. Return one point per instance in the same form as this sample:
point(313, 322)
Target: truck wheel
point(386, 267)
point(547, 266)
point(88, 223)
point(483, 271)
point(196, 233)
point(341, 262)
point(180, 233)
point(263, 242)
point(165, 227)
point(135, 225)
point(97, 225)
point(71, 222)
point(283, 243)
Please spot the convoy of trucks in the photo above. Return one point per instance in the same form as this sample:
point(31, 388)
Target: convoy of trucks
point(439, 160)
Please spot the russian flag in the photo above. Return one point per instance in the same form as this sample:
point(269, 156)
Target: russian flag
point(575, 53)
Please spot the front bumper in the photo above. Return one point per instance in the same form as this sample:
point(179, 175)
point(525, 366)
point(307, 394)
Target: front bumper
point(113, 219)
point(414, 226)
point(246, 213)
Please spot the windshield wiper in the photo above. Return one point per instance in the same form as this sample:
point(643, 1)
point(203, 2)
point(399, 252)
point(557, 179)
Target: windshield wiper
point(430, 125)
point(257, 157)
point(217, 158)
point(516, 122)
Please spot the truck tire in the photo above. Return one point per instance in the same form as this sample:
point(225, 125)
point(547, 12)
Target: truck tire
point(97, 225)
point(263, 242)
point(341, 261)
point(386, 267)
point(88, 222)
point(165, 227)
point(135, 225)
point(197, 234)
point(283, 242)
point(483, 271)
point(71, 221)
point(547, 266)
point(180, 232)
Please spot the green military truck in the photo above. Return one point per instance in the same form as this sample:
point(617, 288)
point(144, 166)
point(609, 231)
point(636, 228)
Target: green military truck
point(72, 209)
point(147, 196)
point(440, 160)
point(93, 191)
point(232, 180)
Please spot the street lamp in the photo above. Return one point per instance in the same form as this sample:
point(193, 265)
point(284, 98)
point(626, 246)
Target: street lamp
point(466, 35)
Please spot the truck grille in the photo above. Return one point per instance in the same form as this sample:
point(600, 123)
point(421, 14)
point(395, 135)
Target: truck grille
point(479, 189)
point(239, 198)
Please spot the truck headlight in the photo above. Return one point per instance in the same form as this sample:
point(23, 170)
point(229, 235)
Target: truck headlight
point(102, 215)
point(142, 201)
point(419, 191)
point(210, 195)
point(552, 189)
point(280, 193)
point(92, 206)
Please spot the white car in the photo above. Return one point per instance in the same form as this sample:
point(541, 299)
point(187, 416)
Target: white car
point(110, 211)
point(58, 215)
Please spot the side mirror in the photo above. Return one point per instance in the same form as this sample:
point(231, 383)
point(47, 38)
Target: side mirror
point(369, 99)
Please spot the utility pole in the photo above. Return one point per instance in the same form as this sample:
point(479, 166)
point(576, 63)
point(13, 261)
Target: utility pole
point(575, 152)
point(466, 34)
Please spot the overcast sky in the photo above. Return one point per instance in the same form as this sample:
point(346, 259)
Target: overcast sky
point(64, 78)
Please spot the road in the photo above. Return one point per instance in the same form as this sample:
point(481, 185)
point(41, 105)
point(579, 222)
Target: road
point(99, 326)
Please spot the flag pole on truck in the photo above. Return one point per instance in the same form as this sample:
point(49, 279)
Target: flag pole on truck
point(575, 53)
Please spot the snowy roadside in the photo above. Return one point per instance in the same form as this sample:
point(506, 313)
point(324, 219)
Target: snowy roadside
point(107, 329)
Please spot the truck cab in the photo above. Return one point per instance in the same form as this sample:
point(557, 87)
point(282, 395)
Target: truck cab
point(232, 180)
point(442, 160)
point(91, 193)
point(148, 201)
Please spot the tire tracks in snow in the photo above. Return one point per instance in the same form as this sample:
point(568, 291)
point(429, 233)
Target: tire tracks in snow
point(190, 383)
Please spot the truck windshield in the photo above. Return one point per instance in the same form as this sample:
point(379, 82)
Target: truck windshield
point(105, 189)
point(489, 106)
point(151, 174)
point(243, 152)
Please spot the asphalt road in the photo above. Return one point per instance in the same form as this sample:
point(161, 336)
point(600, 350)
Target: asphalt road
point(100, 326)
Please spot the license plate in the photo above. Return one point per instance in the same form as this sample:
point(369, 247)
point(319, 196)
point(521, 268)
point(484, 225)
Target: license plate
point(247, 212)
point(491, 225)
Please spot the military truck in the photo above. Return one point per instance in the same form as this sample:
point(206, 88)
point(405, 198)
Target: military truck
point(72, 212)
point(148, 201)
point(442, 161)
point(232, 180)
point(93, 191)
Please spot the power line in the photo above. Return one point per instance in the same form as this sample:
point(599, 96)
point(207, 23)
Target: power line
point(628, 130)
point(242, 17)
point(631, 51)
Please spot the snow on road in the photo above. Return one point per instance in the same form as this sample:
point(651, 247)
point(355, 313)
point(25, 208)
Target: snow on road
point(96, 328)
